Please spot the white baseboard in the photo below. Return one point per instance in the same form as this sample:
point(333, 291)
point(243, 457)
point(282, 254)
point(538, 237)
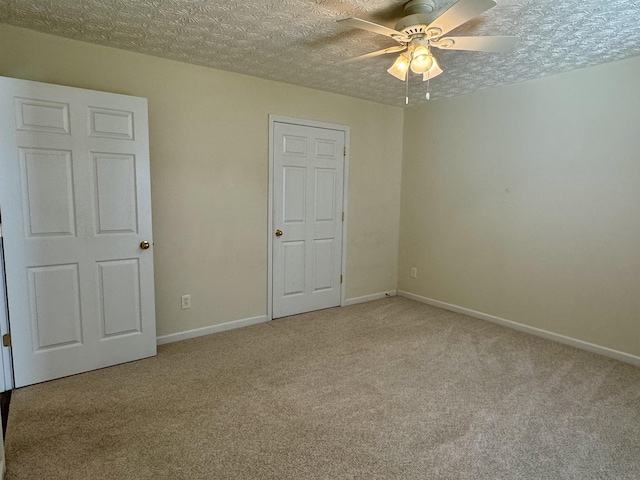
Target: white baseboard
point(369, 298)
point(590, 347)
point(199, 332)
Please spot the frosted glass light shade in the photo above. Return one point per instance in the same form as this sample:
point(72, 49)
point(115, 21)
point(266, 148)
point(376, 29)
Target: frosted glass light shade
point(433, 72)
point(400, 67)
point(421, 60)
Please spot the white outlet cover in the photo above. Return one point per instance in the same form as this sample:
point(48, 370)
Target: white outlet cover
point(185, 302)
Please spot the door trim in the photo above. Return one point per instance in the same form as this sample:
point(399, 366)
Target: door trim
point(6, 362)
point(345, 190)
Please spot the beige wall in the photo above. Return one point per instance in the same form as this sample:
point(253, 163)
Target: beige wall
point(521, 202)
point(524, 202)
point(209, 171)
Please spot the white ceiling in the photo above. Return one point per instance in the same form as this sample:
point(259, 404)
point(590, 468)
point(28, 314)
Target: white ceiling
point(299, 42)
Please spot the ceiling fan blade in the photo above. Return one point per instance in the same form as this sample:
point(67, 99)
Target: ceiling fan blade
point(396, 49)
point(373, 27)
point(431, 74)
point(459, 13)
point(477, 44)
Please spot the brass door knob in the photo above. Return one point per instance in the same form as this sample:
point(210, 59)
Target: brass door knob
point(278, 233)
point(144, 245)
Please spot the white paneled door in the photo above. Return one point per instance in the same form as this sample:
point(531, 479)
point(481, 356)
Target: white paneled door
point(76, 219)
point(308, 166)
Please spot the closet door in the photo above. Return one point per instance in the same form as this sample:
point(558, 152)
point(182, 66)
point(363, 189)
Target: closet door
point(308, 185)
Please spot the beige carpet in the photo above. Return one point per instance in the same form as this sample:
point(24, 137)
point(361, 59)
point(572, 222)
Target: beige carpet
point(390, 389)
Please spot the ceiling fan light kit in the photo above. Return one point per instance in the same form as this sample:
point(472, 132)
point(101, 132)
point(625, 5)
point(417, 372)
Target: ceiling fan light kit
point(419, 30)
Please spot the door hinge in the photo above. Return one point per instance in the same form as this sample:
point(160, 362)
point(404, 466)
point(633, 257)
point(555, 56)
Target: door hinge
point(343, 216)
point(344, 151)
point(340, 278)
point(6, 340)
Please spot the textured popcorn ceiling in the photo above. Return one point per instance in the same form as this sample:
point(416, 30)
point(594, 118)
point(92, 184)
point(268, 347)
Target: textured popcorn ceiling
point(299, 42)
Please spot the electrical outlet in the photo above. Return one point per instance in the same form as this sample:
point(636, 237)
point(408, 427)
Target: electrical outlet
point(186, 302)
point(414, 272)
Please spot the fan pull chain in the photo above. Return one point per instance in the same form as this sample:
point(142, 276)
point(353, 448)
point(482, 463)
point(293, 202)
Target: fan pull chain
point(428, 95)
point(406, 95)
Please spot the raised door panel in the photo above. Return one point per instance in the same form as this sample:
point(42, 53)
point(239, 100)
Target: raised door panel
point(326, 149)
point(323, 273)
point(294, 194)
point(119, 290)
point(54, 294)
point(47, 192)
point(293, 145)
point(325, 195)
point(111, 123)
point(42, 116)
point(116, 193)
point(293, 255)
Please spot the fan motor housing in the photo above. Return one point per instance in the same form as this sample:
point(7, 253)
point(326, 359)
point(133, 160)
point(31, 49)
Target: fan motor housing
point(419, 6)
point(418, 13)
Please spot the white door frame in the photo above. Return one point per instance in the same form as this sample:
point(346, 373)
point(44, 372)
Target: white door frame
point(6, 365)
point(270, 227)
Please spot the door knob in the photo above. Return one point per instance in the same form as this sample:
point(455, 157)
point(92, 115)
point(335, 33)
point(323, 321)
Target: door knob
point(144, 245)
point(278, 233)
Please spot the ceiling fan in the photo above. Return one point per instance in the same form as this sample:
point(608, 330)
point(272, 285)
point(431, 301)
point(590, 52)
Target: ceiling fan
point(419, 30)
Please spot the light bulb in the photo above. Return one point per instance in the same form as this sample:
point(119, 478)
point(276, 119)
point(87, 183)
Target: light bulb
point(400, 67)
point(421, 59)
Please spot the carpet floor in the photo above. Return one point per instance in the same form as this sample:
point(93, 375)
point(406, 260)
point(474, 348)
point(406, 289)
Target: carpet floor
point(391, 389)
